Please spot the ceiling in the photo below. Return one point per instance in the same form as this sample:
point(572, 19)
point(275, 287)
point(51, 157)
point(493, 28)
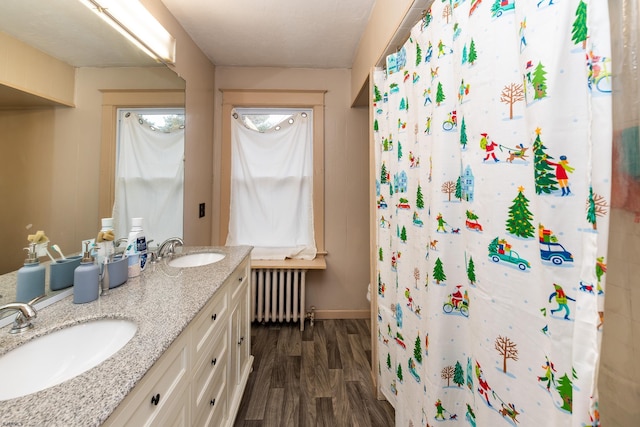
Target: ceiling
point(275, 33)
point(270, 33)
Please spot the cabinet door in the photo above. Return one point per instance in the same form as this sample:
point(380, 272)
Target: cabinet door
point(160, 392)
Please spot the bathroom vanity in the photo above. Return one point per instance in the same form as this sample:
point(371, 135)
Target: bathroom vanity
point(187, 364)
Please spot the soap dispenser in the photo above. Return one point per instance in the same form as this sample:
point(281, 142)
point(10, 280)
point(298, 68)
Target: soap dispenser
point(86, 279)
point(30, 277)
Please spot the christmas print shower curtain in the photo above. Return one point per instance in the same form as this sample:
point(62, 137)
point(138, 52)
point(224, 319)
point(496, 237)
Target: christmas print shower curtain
point(492, 129)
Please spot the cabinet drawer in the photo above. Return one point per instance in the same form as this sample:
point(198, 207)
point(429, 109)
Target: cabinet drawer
point(214, 410)
point(209, 369)
point(239, 279)
point(158, 390)
point(212, 318)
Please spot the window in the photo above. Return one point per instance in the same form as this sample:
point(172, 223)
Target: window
point(293, 101)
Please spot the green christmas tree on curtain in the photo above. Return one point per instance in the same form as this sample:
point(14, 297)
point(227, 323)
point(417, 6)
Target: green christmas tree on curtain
point(399, 150)
point(519, 221)
point(399, 372)
point(458, 374)
point(376, 94)
point(539, 82)
point(463, 134)
point(419, 198)
point(473, 54)
point(579, 33)
point(438, 271)
point(458, 193)
point(403, 234)
point(380, 254)
point(417, 350)
point(545, 179)
point(383, 173)
point(440, 94)
point(388, 361)
point(565, 388)
point(376, 126)
point(418, 54)
point(493, 246)
point(471, 271)
point(592, 210)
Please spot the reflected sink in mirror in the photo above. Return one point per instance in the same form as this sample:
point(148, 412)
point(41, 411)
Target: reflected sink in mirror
point(61, 355)
point(196, 260)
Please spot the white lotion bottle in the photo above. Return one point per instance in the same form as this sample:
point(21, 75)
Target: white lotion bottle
point(136, 248)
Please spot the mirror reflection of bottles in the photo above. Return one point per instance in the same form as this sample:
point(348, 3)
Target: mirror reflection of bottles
point(136, 248)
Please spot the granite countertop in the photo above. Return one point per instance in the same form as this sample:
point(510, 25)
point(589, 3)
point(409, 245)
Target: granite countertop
point(162, 301)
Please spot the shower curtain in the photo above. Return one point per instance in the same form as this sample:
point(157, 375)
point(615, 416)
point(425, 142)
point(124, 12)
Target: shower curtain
point(492, 129)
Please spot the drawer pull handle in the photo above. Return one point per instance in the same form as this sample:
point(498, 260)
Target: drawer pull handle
point(214, 316)
point(241, 340)
point(213, 401)
point(214, 361)
point(155, 399)
point(240, 279)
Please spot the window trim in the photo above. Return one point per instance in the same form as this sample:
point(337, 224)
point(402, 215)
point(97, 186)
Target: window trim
point(112, 100)
point(241, 98)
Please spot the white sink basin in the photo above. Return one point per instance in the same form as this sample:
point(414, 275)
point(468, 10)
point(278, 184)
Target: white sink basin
point(61, 355)
point(196, 260)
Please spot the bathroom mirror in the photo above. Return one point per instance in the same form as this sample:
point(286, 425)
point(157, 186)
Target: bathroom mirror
point(50, 163)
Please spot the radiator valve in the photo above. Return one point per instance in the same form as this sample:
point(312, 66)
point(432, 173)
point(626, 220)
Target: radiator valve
point(311, 315)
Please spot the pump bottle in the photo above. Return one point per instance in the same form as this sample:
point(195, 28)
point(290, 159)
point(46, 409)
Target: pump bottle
point(30, 277)
point(86, 279)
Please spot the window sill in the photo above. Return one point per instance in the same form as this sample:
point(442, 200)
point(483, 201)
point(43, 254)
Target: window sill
point(318, 263)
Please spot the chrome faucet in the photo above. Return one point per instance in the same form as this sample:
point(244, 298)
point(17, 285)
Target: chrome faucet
point(168, 246)
point(26, 313)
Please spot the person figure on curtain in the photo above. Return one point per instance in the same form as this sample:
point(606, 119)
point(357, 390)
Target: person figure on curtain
point(523, 39)
point(562, 167)
point(561, 299)
point(548, 376)
point(440, 410)
point(456, 297)
point(489, 148)
point(441, 223)
point(483, 386)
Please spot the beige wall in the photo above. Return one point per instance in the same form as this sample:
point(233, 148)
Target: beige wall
point(198, 72)
point(341, 289)
point(29, 70)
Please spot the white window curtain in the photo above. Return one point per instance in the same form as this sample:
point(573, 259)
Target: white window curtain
point(271, 188)
point(149, 179)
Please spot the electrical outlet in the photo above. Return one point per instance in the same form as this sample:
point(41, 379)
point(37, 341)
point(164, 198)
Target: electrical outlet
point(201, 210)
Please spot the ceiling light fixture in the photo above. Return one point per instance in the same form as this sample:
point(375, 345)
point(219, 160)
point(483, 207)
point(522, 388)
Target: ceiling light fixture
point(133, 21)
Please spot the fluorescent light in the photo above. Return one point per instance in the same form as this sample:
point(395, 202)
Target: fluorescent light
point(133, 21)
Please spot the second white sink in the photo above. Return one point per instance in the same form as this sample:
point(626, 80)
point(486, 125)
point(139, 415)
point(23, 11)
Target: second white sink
point(61, 355)
point(196, 259)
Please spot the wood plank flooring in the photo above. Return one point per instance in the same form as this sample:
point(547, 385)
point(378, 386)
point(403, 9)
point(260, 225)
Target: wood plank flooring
point(316, 378)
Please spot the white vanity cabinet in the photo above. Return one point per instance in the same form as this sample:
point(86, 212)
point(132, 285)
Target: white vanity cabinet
point(200, 379)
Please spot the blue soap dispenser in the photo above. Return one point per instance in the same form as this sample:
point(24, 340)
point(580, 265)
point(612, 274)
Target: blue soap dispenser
point(30, 277)
point(86, 279)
